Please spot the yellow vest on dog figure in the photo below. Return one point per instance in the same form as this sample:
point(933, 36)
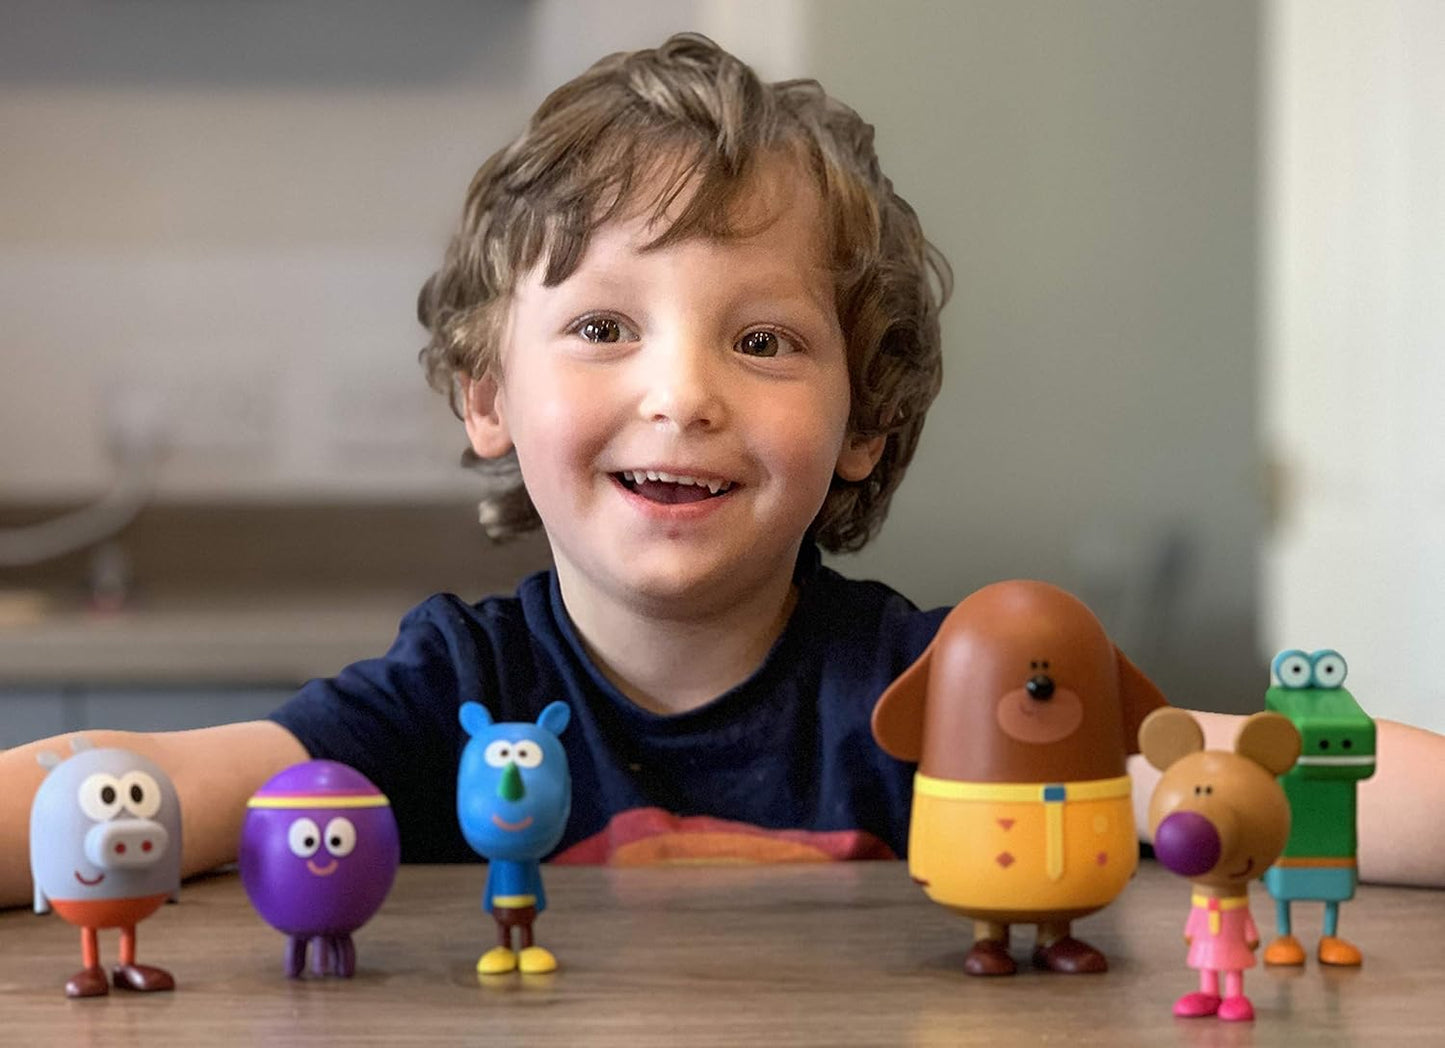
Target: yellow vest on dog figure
point(1020, 714)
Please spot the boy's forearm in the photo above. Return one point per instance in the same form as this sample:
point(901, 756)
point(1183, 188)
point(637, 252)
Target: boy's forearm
point(1399, 808)
point(214, 770)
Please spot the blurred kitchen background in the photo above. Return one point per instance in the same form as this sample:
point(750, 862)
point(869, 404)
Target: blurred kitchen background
point(1194, 357)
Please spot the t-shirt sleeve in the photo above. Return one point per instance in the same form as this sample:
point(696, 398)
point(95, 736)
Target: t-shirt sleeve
point(394, 719)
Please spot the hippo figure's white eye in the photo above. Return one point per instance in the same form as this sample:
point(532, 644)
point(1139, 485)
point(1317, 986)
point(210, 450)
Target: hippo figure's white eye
point(304, 837)
point(340, 837)
point(499, 754)
point(139, 794)
point(1292, 669)
point(100, 797)
point(1329, 669)
point(528, 754)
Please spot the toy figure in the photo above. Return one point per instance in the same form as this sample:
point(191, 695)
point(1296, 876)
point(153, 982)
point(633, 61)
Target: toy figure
point(1020, 713)
point(514, 794)
point(105, 852)
point(1318, 863)
point(1219, 819)
point(319, 851)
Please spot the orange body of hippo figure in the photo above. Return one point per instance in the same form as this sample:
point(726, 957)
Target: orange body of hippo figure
point(1219, 819)
point(1020, 714)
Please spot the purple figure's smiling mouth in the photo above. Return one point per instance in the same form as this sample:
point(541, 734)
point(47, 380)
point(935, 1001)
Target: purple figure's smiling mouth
point(89, 884)
point(511, 827)
point(322, 871)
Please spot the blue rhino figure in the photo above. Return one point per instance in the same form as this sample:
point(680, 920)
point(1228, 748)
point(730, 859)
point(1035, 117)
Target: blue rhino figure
point(514, 794)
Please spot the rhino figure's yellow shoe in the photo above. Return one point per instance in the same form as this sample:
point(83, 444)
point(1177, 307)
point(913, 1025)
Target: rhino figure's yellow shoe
point(497, 961)
point(536, 961)
point(1285, 950)
point(1340, 953)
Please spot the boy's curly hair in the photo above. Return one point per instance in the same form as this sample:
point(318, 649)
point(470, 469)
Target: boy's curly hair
point(696, 121)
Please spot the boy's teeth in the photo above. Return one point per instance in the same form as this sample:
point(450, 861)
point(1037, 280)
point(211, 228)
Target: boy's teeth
point(637, 476)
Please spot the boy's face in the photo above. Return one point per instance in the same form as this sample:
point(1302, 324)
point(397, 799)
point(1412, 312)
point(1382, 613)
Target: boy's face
point(721, 361)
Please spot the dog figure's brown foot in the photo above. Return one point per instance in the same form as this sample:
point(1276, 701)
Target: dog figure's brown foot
point(88, 982)
point(989, 957)
point(142, 978)
point(1070, 956)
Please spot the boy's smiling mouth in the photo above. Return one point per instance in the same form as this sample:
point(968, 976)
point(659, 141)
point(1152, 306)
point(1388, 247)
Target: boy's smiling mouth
point(668, 488)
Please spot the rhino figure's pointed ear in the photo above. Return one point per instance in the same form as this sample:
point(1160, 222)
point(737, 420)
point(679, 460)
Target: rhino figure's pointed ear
point(80, 743)
point(555, 717)
point(48, 759)
point(474, 717)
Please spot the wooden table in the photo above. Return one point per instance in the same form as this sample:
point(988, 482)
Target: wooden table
point(847, 954)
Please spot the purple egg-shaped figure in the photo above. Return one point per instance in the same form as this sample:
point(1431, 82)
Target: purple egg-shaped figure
point(319, 850)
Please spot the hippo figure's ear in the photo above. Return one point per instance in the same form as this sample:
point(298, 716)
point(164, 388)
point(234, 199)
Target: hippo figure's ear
point(48, 759)
point(1169, 735)
point(555, 717)
point(474, 717)
point(1271, 740)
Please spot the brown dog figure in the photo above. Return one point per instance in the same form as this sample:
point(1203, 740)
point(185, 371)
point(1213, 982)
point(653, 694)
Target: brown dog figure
point(1020, 714)
point(1219, 819)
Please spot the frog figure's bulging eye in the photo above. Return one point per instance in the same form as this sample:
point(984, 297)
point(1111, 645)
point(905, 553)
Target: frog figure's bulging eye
point(1292, 669)
point(1329, 669)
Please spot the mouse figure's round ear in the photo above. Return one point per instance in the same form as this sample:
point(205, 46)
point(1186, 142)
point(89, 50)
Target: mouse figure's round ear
point(1270, 740)
point(474, 717)
point(1169, 735)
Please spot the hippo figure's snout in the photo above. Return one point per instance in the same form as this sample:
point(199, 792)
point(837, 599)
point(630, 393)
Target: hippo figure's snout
point(126, 844)
point(1188, 843)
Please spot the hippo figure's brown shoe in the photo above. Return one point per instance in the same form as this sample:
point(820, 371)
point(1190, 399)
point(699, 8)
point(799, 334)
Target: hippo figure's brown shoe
point(141, 978)
point(88, 982)
point(989, 957)
point(1070, 956)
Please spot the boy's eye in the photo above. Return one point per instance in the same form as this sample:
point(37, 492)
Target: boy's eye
point(601, 330)
point(761, 343)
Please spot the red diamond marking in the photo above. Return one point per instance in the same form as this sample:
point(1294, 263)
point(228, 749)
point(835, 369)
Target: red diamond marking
point(1007, 824)
point(1005, 860)
point(1102, 859)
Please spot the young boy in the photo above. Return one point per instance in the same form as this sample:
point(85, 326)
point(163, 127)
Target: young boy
point(693, 334)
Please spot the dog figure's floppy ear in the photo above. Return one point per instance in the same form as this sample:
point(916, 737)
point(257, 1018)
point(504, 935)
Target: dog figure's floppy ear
point(899, 715)
point(1138, 696)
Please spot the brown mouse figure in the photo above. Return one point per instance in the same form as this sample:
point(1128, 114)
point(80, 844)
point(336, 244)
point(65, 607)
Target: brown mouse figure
point(1219, 819)
point(1020, 714)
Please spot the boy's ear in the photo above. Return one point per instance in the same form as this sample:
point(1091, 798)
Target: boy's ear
point(482, 413)
point(859, 456)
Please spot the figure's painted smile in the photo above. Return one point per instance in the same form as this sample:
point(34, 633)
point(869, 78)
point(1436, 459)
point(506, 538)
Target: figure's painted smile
point(322, 871)
point(89, 884)
point(510, 827)
point(1248, 866)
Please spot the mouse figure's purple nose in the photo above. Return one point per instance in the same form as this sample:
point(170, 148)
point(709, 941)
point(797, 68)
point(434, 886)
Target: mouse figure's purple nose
point(1187, 843)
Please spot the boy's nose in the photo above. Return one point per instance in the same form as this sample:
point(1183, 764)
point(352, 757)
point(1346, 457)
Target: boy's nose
point(681, 387)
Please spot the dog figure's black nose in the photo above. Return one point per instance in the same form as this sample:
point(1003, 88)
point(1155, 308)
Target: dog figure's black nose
point(1040, 687)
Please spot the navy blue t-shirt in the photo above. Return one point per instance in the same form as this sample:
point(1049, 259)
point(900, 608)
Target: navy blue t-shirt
point(783, 766)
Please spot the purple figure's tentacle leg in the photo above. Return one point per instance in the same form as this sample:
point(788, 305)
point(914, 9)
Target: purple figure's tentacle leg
point(345, 956)
point(320, 956)
point(295, 959)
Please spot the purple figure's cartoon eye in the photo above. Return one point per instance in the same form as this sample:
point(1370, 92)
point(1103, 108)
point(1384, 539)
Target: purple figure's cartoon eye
point(527, 754)
point(304, 837)
point(100, 797)
point(340, 837)
point(139, 794)
point(498, 754)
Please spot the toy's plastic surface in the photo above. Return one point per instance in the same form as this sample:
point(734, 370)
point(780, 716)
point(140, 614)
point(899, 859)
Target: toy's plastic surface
point(1318, 862)
point(514, 794)
point(105, 852)
point(1020, 714)
point(319, 851)
point(1219, 819)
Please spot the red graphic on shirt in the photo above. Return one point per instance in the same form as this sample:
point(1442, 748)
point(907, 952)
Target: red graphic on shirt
point(653, 837)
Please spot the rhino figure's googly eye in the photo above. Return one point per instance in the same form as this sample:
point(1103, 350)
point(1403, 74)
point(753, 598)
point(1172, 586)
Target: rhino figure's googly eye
point(303, 838)
point(340, 837)
point(100, 797)
point(1330, 669)
point(1292, 669)
point(527, 754)
point(140, 795)
point(499, 754)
